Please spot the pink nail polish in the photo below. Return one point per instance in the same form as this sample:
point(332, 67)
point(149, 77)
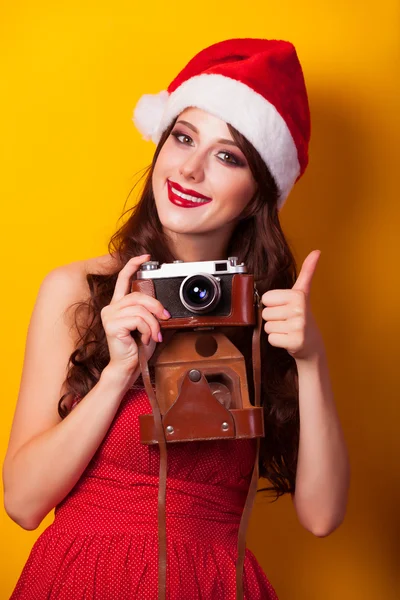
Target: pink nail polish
point(166, 313)
point(159, 336)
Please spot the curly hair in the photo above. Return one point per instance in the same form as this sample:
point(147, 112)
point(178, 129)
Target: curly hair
point(259, 242)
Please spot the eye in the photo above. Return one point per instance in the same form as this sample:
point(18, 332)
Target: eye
point(187, 140)
point(178, 135)
point(233, 160)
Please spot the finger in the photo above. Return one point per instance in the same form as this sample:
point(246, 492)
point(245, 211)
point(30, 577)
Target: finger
point(122, 328)
point(278, 297)
point(276, 313)
point(122, 285)
point(280, 326)
point(276, 327)
point(140, 299)
point(141, 311)
point(279, 340)
point(140, 325)
point(307, 271)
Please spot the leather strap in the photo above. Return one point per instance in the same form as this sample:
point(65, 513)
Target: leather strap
point(251, 495)
point(162, 486)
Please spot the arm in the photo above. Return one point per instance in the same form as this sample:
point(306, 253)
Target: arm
point(47, 455)
point(323, 472)
point(48, 466)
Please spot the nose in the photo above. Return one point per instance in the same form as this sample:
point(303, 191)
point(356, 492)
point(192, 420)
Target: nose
point(193, 167)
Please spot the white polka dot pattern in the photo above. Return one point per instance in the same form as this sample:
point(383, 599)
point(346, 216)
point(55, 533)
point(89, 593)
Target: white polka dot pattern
point(103, 543)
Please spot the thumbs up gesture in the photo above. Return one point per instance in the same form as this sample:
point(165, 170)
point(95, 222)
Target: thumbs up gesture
point(289, 321)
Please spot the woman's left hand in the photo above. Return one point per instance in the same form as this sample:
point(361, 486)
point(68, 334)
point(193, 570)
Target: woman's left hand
point(290, 323)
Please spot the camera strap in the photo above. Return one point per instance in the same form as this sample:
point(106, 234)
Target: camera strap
point(162, 443)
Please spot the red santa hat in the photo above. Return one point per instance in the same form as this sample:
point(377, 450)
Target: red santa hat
point(257, 86)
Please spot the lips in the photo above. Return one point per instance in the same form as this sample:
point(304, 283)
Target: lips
point(186, 191)
point(184, 202)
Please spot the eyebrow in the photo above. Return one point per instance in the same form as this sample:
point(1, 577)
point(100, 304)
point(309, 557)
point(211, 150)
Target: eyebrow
point(221, 141)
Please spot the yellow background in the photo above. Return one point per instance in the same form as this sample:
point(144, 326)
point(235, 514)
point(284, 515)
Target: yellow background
point(71, 73)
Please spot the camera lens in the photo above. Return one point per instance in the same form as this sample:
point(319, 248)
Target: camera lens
point(200, 293)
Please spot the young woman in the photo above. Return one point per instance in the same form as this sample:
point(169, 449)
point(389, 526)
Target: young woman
point(232, 132)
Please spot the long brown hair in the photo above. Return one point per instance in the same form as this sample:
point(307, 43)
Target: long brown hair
point(259, 242)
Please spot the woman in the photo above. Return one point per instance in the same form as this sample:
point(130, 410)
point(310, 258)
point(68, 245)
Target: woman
point(232, 132)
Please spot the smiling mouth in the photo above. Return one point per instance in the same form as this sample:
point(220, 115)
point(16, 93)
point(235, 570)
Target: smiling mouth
point(185, 200)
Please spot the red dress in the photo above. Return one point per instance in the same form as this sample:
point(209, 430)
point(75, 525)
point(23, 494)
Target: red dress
point(103, 544)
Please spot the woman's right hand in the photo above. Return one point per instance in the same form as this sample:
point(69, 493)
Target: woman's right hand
point(130, 311)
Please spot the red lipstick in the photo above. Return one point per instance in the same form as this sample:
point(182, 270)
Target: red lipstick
point(185, 202)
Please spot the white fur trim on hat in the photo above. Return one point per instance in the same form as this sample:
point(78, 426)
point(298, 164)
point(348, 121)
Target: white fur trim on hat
point(148, 113)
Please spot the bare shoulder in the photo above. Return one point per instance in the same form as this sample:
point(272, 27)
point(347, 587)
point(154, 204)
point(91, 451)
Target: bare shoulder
point(102, 265)
point(70, 279)
point(53, 334)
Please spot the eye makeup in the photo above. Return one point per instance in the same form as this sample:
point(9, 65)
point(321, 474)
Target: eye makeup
point(237, 162)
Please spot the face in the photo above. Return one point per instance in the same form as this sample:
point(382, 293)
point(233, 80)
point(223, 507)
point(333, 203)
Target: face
point(201, 159)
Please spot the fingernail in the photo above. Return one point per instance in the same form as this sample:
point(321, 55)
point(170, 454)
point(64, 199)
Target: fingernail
point(159, 336)
point(166, 313)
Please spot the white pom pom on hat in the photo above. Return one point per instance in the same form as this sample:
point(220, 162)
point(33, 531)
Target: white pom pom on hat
point(257, 86)
point(148, 114)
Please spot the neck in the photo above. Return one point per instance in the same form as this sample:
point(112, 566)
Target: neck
point(200, 246)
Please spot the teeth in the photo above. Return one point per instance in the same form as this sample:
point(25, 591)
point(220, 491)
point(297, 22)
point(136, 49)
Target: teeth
point(188, 197)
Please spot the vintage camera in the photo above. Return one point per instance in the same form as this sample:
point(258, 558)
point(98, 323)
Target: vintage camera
point(200, 375)
point(200, 294)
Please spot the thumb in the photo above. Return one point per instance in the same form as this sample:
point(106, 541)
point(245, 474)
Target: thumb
point(304, 280)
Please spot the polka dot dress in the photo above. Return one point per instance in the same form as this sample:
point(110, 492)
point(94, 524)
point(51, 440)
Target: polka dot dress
point(103, 543)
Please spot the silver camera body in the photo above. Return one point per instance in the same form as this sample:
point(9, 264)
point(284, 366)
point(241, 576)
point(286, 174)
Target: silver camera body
point(193, 288)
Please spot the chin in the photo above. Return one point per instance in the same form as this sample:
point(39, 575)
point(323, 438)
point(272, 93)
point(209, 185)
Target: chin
point(172, 220)
point(179, 229)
